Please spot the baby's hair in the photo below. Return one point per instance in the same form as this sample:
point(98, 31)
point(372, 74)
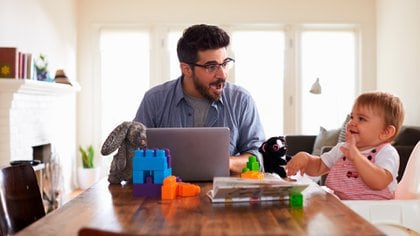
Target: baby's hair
point(385, 104)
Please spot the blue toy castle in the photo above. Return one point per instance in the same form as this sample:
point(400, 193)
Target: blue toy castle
point(150, 168)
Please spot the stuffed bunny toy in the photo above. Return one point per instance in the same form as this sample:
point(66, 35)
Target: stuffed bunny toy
point(126, 137)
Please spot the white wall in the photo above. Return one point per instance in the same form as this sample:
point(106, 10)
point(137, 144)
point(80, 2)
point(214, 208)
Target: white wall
point(48, 27)
point(399, 53)
point(41, 26)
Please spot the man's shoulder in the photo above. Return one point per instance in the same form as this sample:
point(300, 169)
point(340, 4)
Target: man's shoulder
point(234, 89)
point(162, 89)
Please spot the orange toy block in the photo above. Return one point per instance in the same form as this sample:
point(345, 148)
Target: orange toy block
point(188, 190)
point(252, 174)
point(169, 188)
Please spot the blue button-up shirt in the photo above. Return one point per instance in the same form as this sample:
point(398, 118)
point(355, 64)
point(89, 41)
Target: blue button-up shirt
point(165, 106)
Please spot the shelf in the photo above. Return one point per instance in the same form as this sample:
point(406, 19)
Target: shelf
point(36, 87)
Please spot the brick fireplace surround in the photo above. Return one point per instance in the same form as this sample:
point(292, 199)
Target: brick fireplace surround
point(33, 114)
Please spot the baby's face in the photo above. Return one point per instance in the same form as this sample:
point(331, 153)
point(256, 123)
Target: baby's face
point(366, 126)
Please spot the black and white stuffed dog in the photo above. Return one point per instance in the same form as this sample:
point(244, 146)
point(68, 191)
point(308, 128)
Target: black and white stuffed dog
point(274, 155)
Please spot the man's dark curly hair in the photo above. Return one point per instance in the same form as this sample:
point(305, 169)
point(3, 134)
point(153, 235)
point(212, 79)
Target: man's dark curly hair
point(199, 38)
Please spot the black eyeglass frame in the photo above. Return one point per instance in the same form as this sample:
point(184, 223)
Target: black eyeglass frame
point(212, 67)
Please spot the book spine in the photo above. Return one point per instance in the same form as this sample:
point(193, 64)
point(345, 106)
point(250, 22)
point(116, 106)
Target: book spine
point(8, 62)
point(19, 65)
point(29, 66)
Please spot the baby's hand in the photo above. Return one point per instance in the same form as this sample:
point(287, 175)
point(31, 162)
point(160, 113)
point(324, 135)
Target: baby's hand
point(349, 149)
point(297, 163)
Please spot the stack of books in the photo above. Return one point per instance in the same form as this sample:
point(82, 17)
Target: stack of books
point(235, 189)
point(15, 64)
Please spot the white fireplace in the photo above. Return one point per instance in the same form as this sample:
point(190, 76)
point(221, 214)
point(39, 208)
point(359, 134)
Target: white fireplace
point(35, 113)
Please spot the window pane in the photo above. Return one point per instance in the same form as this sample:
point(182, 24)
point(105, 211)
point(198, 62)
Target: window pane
point(173, 38)
point(259, 68)
point(125, 75)
point(329, 56)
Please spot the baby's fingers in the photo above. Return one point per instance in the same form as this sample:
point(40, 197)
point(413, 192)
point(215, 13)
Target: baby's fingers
point(292, 168)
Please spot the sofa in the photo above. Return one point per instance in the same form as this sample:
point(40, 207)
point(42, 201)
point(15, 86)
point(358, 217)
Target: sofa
point(404, 143)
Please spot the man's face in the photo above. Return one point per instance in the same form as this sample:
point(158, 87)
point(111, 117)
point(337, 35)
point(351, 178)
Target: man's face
point(207, 83)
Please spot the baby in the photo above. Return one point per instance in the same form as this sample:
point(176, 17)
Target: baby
point(366, 165)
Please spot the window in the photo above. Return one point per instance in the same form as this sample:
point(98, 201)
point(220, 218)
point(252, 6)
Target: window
point(329, 56)
point(262, 57)
point(259, 68)
point(124, 75)
point(173, 37)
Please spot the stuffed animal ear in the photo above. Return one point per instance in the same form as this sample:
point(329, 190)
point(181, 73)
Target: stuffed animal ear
point(115, 138)
point(261, 149)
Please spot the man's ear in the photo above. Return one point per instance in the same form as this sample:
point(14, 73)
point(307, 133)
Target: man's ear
point(388, 132)
point(186, 69)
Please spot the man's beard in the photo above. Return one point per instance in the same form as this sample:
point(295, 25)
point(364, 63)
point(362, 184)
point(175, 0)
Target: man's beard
point(204, 90)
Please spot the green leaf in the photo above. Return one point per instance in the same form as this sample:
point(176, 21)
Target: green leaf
point(87, 156)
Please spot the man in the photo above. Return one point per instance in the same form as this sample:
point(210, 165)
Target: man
point(201, 96)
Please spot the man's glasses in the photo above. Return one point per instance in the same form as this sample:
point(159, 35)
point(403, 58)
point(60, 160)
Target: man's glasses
point(213, 67)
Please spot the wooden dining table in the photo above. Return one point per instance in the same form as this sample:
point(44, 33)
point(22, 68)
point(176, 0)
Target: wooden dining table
point(114, 208)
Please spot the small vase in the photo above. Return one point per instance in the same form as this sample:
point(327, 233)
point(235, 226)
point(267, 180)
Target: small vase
point(87, 176)
point(42, 75)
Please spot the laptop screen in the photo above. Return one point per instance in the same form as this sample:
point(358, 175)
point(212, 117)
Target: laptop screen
point(198, 154)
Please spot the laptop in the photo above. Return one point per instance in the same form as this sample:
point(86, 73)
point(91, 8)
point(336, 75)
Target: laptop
point(198, 154)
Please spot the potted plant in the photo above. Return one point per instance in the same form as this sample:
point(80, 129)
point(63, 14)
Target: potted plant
point(88, 174)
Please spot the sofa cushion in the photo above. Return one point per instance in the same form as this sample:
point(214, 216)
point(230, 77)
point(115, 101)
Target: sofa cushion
point(342, 134)
point(325, 138)
point(299, 143)
point(408, 136)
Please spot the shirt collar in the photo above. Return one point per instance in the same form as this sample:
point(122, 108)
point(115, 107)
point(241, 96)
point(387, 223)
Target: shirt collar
point(179, 92)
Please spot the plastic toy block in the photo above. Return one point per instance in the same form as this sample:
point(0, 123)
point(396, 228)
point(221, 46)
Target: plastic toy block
point(160, 175)
point(252, 175)
point(188, 190)
point(147, 190)
point(160, 153)
point(149, 153)
point(296, 200)
point(168, 158)
point(150, 159)
point(150, 168)
point(169, 188)
point(170, 180)
point(253, 164)
point(152, 163)
point(138, 177)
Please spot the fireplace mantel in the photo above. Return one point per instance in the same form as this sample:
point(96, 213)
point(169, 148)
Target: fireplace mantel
point(34, 113)
point(36, 87)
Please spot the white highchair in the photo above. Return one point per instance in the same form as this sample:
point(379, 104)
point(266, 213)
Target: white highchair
point(401, 216)
point(409, 186)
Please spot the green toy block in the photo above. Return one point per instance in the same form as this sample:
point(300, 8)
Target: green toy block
point(253, 164)
point(296, 200)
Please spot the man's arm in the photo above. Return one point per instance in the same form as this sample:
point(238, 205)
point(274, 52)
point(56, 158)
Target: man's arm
point(251, 133)
point(237, 163)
